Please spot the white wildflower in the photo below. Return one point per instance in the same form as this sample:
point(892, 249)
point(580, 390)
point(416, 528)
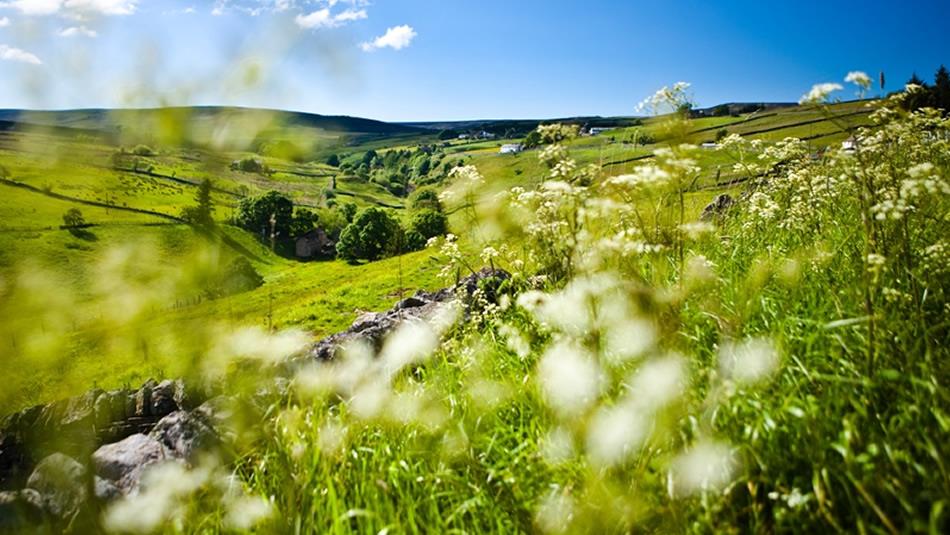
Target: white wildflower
point(706, 466)
point(569, 377)
point(614, 433)
point(748, 361)
point(859, 79)
point(819, 93)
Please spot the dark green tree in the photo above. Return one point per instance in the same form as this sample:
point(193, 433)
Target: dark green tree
point(368, 158)
point(920, 98)
point(333, 160)
point(73, 218)
point(942, 89)
point(429, 223)
point(372, 235)
point(348, 211)
point(304, 221)
point(203, 213)
point(533, 139)
point(264, 214)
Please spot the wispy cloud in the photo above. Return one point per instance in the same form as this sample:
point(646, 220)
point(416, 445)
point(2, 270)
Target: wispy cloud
point(190, 10)
point(4, 21)
point(323, 18)
point(397, 38)
point(76, 31)
point(8, 53)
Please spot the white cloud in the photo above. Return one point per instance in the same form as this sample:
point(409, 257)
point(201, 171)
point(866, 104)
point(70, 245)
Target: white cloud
point(51, 7)
point(8, 53)
point(74, 31)
point(351, 15)
point(322, 18)
point(4, 21)
point(397, 38)
point(105, 7)
point(318, 19)
point(34, 7)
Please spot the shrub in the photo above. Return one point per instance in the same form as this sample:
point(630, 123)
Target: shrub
point(425, 197)
point(413, 241)
point(143, 150)
point(249, 164)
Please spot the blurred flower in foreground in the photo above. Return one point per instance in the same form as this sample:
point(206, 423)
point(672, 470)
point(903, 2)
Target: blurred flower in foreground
point(705, 466)
point(819, 93)
point(748, 361)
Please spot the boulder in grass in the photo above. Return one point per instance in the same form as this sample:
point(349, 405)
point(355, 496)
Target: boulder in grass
point(124, 462)
point(718, 207)
point(61, 482)
point(21, 511)
point(184, 434)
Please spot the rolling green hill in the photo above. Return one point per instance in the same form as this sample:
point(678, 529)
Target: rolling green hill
point(54, 161)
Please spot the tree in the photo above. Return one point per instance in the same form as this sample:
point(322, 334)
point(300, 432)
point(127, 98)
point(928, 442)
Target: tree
point(372, 235)
point(919, 98)
point(204, 211)
point(266, 214)
point(533, 139)
point(73, 219)
point(304, 221)
point(348, 211)
point(333, 160)
point(368, 158)
point(942, 88)
point(721, 134)
point(429, 223)
point(447, 134)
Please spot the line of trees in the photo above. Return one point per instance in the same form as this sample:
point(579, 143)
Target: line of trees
point(377, 233)
point(931, 96)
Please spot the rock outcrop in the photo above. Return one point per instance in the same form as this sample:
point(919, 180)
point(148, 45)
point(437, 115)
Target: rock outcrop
point(718, 207)
point(373, 327)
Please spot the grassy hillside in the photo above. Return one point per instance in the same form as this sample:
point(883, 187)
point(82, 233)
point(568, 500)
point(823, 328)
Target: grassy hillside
point(48, 172)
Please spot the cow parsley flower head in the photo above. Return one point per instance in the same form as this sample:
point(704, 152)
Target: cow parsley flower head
point(819, 93)
point(706, 466)
point(748, 361)
point(667, 99)
point(570, 378)
point(859, 79)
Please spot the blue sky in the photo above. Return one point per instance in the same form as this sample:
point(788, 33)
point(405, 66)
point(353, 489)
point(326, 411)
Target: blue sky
point(452, 59)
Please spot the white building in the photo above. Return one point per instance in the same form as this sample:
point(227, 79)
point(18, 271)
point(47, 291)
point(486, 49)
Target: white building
point(511, 148)
point(595, 130)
